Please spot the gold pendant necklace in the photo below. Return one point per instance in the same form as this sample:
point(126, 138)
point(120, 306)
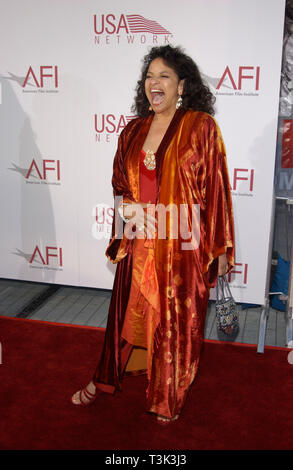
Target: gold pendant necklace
point(150, 160)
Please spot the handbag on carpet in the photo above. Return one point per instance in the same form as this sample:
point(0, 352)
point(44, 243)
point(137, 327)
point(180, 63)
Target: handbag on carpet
point(226, 309)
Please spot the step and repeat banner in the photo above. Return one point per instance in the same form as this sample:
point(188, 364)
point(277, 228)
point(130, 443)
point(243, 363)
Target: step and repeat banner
point(68, 71)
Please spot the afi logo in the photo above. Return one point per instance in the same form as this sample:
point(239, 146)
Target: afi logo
point(42, 172)
point(46, 74)
point(45, 257)
point(240, 271)
point(240, 77)
point(243, 174)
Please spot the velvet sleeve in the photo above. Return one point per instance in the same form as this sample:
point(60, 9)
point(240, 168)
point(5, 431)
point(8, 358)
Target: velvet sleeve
point(218, 216)
point(119, 244)
point(119, 179)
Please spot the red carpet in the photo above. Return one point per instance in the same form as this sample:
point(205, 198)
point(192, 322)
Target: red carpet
point(240, 399)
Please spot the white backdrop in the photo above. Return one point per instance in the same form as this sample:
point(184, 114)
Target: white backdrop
point(68, 71)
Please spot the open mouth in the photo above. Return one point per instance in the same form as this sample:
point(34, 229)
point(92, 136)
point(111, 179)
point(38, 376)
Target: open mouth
point(157, 97)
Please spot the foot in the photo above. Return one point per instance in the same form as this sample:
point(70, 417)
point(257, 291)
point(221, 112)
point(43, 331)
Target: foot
point(86, 396)
point(164, 420)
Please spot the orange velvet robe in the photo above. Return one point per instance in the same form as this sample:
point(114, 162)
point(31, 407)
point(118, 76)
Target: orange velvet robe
point(191, 169)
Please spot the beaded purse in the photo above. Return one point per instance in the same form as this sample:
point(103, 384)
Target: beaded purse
point(226, 309)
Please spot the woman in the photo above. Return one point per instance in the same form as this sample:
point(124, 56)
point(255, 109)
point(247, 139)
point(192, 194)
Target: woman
point(172, 155)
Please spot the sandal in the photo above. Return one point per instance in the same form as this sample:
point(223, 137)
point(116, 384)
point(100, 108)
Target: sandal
point(85, 397)
point(163, 420)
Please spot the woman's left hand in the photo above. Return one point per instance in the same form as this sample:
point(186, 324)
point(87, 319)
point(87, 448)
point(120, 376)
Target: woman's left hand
point(223, 265)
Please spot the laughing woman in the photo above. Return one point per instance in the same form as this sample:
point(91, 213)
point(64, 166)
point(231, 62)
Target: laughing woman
point(172, 154)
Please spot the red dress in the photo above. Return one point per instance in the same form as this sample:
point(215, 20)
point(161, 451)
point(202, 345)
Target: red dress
point(147, 182)
point(138, 327)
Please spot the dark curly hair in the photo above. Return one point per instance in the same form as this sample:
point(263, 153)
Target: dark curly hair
point(196, 95)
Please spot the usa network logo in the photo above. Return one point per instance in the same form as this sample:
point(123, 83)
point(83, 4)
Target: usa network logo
point(108, 126)
point(103, 218)
point(130, 29)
